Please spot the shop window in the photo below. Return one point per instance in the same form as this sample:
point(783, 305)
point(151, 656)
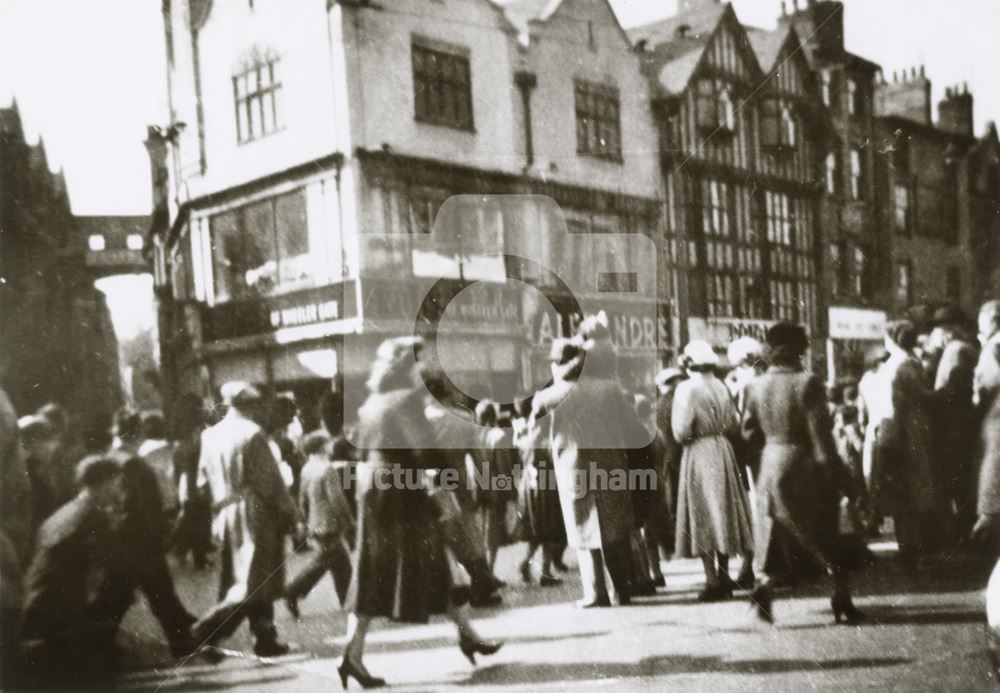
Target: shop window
point(598, 121)
point(256, 91)
point(442, 87)
point(261, 248)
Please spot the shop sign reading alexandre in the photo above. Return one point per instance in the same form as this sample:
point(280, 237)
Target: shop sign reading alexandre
point(633, 326)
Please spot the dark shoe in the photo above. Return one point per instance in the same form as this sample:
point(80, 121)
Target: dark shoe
point(481, 600)
point(645, 589)
point(271, 648)
point(292, 604)
point(348, 671)
point(714, 593)
point(560, 566)
point(183, 646)
point(659, 581)
point(743, 584)
point(599, 602)
point(470, 648)
point(549, 581)
point(763, 601)
point(844, 608)
point(525, 569)
point(211, 654)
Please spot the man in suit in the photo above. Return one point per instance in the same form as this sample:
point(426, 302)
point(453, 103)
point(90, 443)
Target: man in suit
point(140, 544)
point(64, 630)
point(253, 513)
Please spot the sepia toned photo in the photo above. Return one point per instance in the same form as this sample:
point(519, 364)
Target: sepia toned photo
point(499, 345)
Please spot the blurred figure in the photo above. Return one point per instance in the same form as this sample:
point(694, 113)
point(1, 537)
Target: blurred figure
point(329, 519)
point(658, 520)
point(713, 511)
point(898, 441)
point(986, 380)
point(666, 385)
point(16, 538)
point(64, 635)
point(598, 519)
point(746, 355)
point(460, 520)
point(158, 453)
point(956, 423)
point(193, 531)
point(140, 542)
point(495, 465)
point(284, 429)
point(39, 443)
point(401, 569)
point(253, 513)
point(801, 477)
point(542, 523)
point(69, 451)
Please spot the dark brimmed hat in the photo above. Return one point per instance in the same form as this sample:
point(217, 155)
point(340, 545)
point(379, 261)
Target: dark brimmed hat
point(949, 315)
point(96, 469)
point(787, 339)
point(902, 333)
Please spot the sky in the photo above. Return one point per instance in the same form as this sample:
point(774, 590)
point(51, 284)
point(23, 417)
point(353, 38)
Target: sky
point(90, 75)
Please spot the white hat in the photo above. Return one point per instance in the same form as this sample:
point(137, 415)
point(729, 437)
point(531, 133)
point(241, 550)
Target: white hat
point(239, 392)
point(701, 353)
point(741, 350)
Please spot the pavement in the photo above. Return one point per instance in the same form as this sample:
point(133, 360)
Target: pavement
point(925, 632)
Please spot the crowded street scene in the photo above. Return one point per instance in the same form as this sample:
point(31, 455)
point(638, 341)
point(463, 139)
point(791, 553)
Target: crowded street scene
point(510, 345)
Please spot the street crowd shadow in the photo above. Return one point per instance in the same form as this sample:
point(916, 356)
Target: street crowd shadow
point(207, 682)
point(663, 666)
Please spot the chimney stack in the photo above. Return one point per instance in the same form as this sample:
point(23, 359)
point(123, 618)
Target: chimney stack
point(955, 111)
point(907, 96)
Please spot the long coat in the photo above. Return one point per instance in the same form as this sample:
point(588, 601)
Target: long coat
point(400, 568)
point(713, 511)
point(898, 441)
point(795, 494)
point(253, 509)
point(538, 494)
point(590, 424)
point(956, 421)
point(989, 467)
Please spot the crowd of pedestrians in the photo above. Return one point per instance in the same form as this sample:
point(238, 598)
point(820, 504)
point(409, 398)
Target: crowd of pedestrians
point(753, 460)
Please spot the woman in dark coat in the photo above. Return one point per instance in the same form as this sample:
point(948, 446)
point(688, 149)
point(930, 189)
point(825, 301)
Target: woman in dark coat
point(400, 567)
point(801, 477)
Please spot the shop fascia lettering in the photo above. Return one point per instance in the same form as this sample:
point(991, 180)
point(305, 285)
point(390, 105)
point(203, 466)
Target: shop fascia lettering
point(306, 314)
point(627, 331)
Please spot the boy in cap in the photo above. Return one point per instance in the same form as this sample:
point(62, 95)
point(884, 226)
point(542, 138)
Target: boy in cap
point(329, 518)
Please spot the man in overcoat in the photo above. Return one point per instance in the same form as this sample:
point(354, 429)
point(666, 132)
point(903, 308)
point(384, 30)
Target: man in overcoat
point(253, 512)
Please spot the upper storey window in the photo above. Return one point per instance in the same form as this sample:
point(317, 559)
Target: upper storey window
point(598, 121)
point(256, 90)
point(442, 86)
point(716, 108)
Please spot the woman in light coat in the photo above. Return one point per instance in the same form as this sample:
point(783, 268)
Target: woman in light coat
point(713, 511)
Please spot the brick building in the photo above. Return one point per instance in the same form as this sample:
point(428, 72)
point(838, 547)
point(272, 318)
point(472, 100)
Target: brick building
point(56, 338)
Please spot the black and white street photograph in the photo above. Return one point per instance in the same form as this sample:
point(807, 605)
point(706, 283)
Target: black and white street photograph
point(516, 346)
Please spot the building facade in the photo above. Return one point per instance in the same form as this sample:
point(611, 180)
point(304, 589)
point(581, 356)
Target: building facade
point(314, 133)
point(57, 343)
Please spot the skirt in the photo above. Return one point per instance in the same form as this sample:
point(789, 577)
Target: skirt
point(540, 515)
point(713, 510)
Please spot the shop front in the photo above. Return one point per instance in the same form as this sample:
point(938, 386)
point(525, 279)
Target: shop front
point(856, 339)
point(721, 332)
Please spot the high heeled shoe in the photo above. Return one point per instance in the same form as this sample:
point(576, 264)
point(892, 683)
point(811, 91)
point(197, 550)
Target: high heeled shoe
point(844, 608)
point(471, 647)
point(348, 670)
point(762, 602)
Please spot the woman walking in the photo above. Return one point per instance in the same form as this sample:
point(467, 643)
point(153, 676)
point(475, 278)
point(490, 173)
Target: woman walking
point(713, 512)
point(401, 570)
point(801, 476)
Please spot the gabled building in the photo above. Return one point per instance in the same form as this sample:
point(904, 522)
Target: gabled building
point(313, 129)
point(741, 142)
